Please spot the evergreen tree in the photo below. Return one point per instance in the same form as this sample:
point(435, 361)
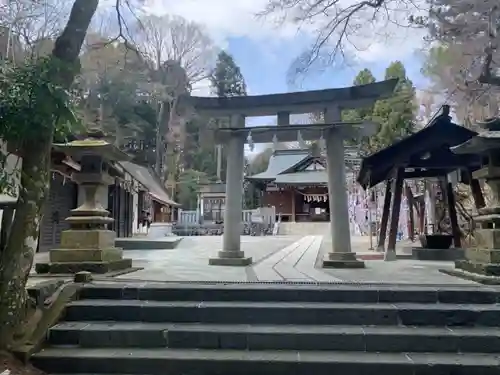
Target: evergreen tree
point(226, 81)
point(226, 78)
point(395, 115)
point(364, 77)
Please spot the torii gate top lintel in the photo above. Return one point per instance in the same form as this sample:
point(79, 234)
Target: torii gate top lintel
point(294, 102)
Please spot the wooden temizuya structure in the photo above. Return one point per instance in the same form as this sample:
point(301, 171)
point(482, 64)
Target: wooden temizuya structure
point(424, 154)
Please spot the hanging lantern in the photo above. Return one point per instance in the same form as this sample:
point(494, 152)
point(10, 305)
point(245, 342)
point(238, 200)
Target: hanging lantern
point(250, 141)
point(275, 142)
point(300, 140)
point(322, 143)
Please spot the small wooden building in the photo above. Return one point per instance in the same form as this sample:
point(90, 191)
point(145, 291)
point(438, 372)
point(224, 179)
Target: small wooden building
point(212, 201)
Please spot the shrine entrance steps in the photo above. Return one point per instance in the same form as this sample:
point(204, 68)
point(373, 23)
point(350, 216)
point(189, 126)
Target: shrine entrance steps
point(307, 228)
point(264, 329)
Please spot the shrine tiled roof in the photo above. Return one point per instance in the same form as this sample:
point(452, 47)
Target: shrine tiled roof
point(291, 166)
point(280, 161)
point(149, 181)
point(303, 177)
point(439, 136)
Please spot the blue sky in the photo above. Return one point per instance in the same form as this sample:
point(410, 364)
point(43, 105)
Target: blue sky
point(265, 51)
point(269, 75)
point(265, 71)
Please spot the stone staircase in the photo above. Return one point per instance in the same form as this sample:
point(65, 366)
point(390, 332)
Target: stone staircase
point(304, 228)
point(259, 329)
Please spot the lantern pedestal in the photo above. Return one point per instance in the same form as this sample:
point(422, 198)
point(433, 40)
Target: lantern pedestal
point(88, 245)
point(482, 263)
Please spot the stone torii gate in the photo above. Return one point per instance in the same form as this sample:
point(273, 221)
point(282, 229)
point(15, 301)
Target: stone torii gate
point(330, 102)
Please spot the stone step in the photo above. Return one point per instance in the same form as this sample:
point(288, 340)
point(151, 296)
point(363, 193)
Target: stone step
point(291, 293)
point(285, 337)
point(408, 314)
point(231, 362)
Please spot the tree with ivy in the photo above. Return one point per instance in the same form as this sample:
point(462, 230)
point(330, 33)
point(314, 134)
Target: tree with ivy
point(35, 106)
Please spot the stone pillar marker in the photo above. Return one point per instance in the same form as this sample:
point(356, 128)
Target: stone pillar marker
point(231, 254)
point(88, 245)
point(341, 255)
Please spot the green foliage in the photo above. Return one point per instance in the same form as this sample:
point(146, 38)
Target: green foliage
point(32, 105)
point(188, 185)
point(226, 78)
point(364, 77)
point(226, 81)
point(395, 115)
point(31, 102)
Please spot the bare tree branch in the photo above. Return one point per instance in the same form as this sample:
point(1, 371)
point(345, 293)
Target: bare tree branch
point(338, 24)
point(167, 38)
point(487, 76)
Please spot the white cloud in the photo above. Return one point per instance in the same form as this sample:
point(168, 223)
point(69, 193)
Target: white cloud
point(383, 39)
point(224, 18)
point(202, 88)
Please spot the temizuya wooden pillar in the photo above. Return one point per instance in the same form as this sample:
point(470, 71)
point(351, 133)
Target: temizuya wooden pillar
point(477, 194)
point(450, 197)
point(421, 215)
point(397, 189)
point(385, 217)
point(476, 191)
point(409, 197)
point(293, 205)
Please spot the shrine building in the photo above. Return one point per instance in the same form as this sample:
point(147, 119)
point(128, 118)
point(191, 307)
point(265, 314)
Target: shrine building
point(296, 184)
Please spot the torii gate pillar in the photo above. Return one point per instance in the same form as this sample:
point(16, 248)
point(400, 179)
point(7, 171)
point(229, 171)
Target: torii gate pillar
point(341, 255)
point(231, 254)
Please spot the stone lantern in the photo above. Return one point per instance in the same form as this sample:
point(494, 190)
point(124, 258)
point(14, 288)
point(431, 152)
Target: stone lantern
point(89, 245)
point(484, 260)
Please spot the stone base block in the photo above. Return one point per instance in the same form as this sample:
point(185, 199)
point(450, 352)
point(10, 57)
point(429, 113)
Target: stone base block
point(75, 267)
point(451, 254)
point(390, 256)
point(85, 255)
point(487, 238)
point(482, 255)
point(481, 279)
point(486, 269)
point(87, 239)
point(342, 260)
point(230, 261)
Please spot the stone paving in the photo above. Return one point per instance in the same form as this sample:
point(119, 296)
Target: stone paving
point(400, 271)
point(277, 259)
point(189, 261)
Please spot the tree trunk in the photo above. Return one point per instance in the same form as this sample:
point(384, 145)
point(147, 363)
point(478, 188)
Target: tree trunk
point(6, 224)
point(17, 258)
